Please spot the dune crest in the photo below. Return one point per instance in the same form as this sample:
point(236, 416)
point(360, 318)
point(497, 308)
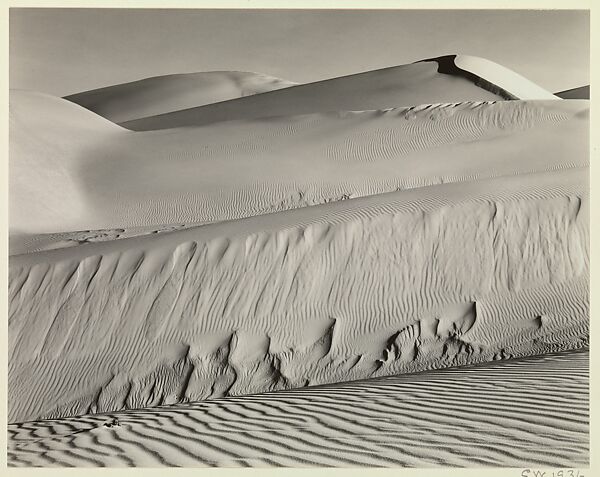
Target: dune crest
point(164, 94)
point(384, 422)
point(492, 77)
point(448, 79)
point(201, 312)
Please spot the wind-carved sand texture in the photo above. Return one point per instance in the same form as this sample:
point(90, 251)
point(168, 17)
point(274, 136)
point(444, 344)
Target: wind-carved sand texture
point(239, 169)
point(390, 283)
point(511, 413)
point(304, 236)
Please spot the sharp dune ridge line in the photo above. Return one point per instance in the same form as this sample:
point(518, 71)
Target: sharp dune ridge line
point(495, 77)
point(165, 94)
point(512, 413)
point(184, 244)
point(452, 78)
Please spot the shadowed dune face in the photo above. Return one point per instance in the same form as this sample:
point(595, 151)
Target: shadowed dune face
point(164, 94)
point(582, 92)
point(386, 422)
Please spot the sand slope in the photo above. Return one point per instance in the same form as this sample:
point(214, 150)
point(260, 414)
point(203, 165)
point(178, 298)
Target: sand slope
point(438, 80)
point(49, 141)
point(491, 75)
point(164, 94)
point(390, 222)
point(122, 180)
point(529, 412)
point(430, 277)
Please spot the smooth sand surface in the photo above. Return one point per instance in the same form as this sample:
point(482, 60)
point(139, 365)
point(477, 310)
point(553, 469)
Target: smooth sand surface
point(49, 141)
point(530, 412)
point(492, 73)
point(164, 94)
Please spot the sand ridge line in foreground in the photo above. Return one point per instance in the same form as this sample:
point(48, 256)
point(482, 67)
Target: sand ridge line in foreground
point(567, 182)
point(461, 413)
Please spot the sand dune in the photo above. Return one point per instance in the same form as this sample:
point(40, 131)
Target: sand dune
point(115, 180)
point(506, 413)
point(164, 94)
point(166, 269)
point(49, 140)
point(347, 290)
point(448, 79)
point(492, 75)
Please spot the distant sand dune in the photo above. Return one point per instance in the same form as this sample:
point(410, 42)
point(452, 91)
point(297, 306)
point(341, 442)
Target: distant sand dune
point(448, 79)
point(517, 413)
point(582, 92)
point(491, 75)
point(164, 94)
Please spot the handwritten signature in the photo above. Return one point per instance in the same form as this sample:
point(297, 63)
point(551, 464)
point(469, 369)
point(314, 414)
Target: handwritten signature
point(552, 473)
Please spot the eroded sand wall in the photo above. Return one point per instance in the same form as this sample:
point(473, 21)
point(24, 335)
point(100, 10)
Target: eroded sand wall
point(399, 282)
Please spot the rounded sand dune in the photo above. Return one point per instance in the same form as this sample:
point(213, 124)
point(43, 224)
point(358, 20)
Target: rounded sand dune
point(164, 94)
point(50, 140)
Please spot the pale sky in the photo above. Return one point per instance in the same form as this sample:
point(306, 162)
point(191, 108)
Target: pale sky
point(64, 51)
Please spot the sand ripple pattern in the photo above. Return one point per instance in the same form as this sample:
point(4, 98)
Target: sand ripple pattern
point(244, 168)
point(435, 125)
point(349, 290)
point(514, 413)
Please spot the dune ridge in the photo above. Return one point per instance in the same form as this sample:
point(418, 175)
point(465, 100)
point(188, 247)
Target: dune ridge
point(228, 269)
point(452, 78)
point(165, 94)
point(48, 138)
point(452, 411)
point(244, 168)
point(494, 76)
point(363, 288)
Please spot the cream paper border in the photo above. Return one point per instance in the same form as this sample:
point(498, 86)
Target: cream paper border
point(594, 468)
